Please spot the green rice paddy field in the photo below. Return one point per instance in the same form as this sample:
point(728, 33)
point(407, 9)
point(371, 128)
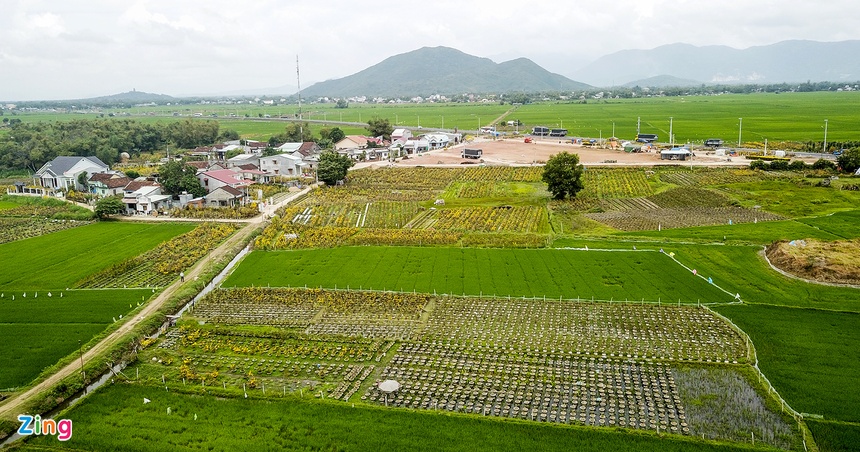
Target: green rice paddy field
point(570, 274)
point(811, 356)
point(56, 261)
point(776, 117)
point(46, 328)
point(115, 418)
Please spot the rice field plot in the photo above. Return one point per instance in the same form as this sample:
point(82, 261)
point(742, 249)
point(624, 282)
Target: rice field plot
point(617, 331)
point(679, 217)
point(719, 176)
point(763, 233)
point(62, 258)
point(45, 325)
point(524, 219)
point(552, 273)
point(810, 356)
point(48, 208)
point(161, 265)
point(501, 174)
point(840, 224)
point(615, 183)
point(314, 425)
point(689, 197)
point(577, 390)
point(24, 228)
point(335, 366)
point(37, 346)
point(320, 312)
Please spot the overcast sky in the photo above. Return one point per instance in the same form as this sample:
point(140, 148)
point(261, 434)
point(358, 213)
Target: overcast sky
point(68, 49)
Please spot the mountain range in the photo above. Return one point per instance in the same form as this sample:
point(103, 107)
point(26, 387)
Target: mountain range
point(783, 62)
point(443, 70)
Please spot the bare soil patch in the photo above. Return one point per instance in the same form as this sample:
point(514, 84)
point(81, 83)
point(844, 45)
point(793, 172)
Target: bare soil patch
point(831, 262)
point(515, 152)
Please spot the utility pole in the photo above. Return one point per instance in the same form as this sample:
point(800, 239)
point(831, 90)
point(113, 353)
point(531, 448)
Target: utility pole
point(824, 150)
point(299, 85)
point(740, 130)
point(671, 137)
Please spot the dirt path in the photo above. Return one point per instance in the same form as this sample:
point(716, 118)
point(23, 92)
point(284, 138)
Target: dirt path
point(503, 116)
point(12, 406)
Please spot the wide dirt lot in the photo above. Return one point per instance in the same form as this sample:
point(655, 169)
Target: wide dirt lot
point(516, 152)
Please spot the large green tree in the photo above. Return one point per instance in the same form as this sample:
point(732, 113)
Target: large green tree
point(294, 133)
point(334, 134)
point(379, 127)
point(849, 161)
point(176, 177)
point(333, 167)
point(110, 205)
point(563, 175)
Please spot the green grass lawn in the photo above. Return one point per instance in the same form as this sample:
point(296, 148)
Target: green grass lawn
point(551, 273)
point(60, 259)
point(115, 418)
point(812, 357)
point(44, 329)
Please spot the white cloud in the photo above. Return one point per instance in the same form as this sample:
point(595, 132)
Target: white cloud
point(79, 48)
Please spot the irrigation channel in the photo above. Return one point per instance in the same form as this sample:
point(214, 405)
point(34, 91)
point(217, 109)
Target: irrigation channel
point(118, 368)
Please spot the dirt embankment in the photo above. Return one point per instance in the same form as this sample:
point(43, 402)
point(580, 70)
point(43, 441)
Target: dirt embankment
point(830, 262)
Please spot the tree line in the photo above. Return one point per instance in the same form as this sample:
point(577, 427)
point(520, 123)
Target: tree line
point(30, 145)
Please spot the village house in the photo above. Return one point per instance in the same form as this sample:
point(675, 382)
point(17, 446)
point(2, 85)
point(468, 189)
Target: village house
point(356, 142)
point(144, 197)
point(107, 184)
point(243, 159)
point(288, 148)
point(401, 135)
point(252, 173)
point(415, 147)
point(358, 146)
point(63, 172)
point(210, 180)
point(225, 196)
point(437, 140)
point(288, 165)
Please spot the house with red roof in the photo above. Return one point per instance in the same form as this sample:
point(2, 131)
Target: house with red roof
point(107, 184)
point(210, 180)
